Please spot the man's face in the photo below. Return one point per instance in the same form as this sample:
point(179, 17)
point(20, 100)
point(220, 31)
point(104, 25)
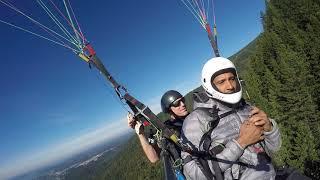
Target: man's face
point(225, 83)
point(178, 107)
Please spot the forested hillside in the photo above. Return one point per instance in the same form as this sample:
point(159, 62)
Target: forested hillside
point(131, 163)
point(282, 73)
point(283, 77)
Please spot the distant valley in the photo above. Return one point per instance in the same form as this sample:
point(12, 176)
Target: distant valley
point(80, 166)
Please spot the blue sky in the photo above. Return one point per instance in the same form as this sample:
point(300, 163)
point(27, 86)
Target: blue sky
point(50, 101)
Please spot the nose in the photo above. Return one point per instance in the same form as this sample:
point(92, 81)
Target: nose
point(229, 85)
point(182, 103)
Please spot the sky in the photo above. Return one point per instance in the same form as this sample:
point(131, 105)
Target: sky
point(53, 105)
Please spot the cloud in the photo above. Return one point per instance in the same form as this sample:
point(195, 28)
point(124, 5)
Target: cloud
point(64, 150)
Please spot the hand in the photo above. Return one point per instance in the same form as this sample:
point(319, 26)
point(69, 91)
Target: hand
point(131, 121)
point(249, 134)
point(134, 124)
point(260, 118)
point(139, 128)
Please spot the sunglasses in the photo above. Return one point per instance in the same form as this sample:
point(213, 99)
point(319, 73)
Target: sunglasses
point(177, 102)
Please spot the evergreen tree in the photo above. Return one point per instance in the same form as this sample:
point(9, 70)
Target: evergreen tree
point(301, 33)
point(303, 149)
point(280, 75)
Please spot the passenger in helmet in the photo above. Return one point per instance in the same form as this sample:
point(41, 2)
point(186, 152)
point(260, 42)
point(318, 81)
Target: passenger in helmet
point(172, 102)
point(240, 138)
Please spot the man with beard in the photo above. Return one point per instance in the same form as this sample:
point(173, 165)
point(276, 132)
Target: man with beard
point(239, 138)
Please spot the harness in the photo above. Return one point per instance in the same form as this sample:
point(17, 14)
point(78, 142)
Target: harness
point(170, 152)
point(173, 150)
point(208, 153)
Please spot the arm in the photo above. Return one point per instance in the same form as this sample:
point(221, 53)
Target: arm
point(152, 152)
point(271, 131)
point(272, 139)
point(149, 150)
point(191, 133)
point(249, 134)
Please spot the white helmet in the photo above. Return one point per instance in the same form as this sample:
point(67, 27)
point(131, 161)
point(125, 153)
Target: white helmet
point(213, 68)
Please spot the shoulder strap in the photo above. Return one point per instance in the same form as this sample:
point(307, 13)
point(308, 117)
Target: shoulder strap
point(201, 97)
point(205, 141)
point(215, 118)
point(170, 147)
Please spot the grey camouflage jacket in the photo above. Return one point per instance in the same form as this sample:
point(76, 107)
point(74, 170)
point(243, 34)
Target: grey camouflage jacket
point(259, 165)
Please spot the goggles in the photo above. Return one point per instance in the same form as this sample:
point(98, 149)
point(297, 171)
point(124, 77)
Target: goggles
point(177, 102)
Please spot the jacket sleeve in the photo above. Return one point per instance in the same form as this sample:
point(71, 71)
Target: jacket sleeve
point(230, 154)
point(272, 139)
point(191, 134)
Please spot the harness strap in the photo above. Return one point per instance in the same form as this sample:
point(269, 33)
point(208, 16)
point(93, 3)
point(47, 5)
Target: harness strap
point(187, 159)
point(216, 168)
point(206, 137)
point(200, 97)
point(217, 149)
point(227, 113)
point(204, 167)
point(205, 142)
point(171, 148)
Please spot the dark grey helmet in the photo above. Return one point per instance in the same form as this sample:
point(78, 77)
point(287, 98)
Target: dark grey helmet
point(168, 98)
